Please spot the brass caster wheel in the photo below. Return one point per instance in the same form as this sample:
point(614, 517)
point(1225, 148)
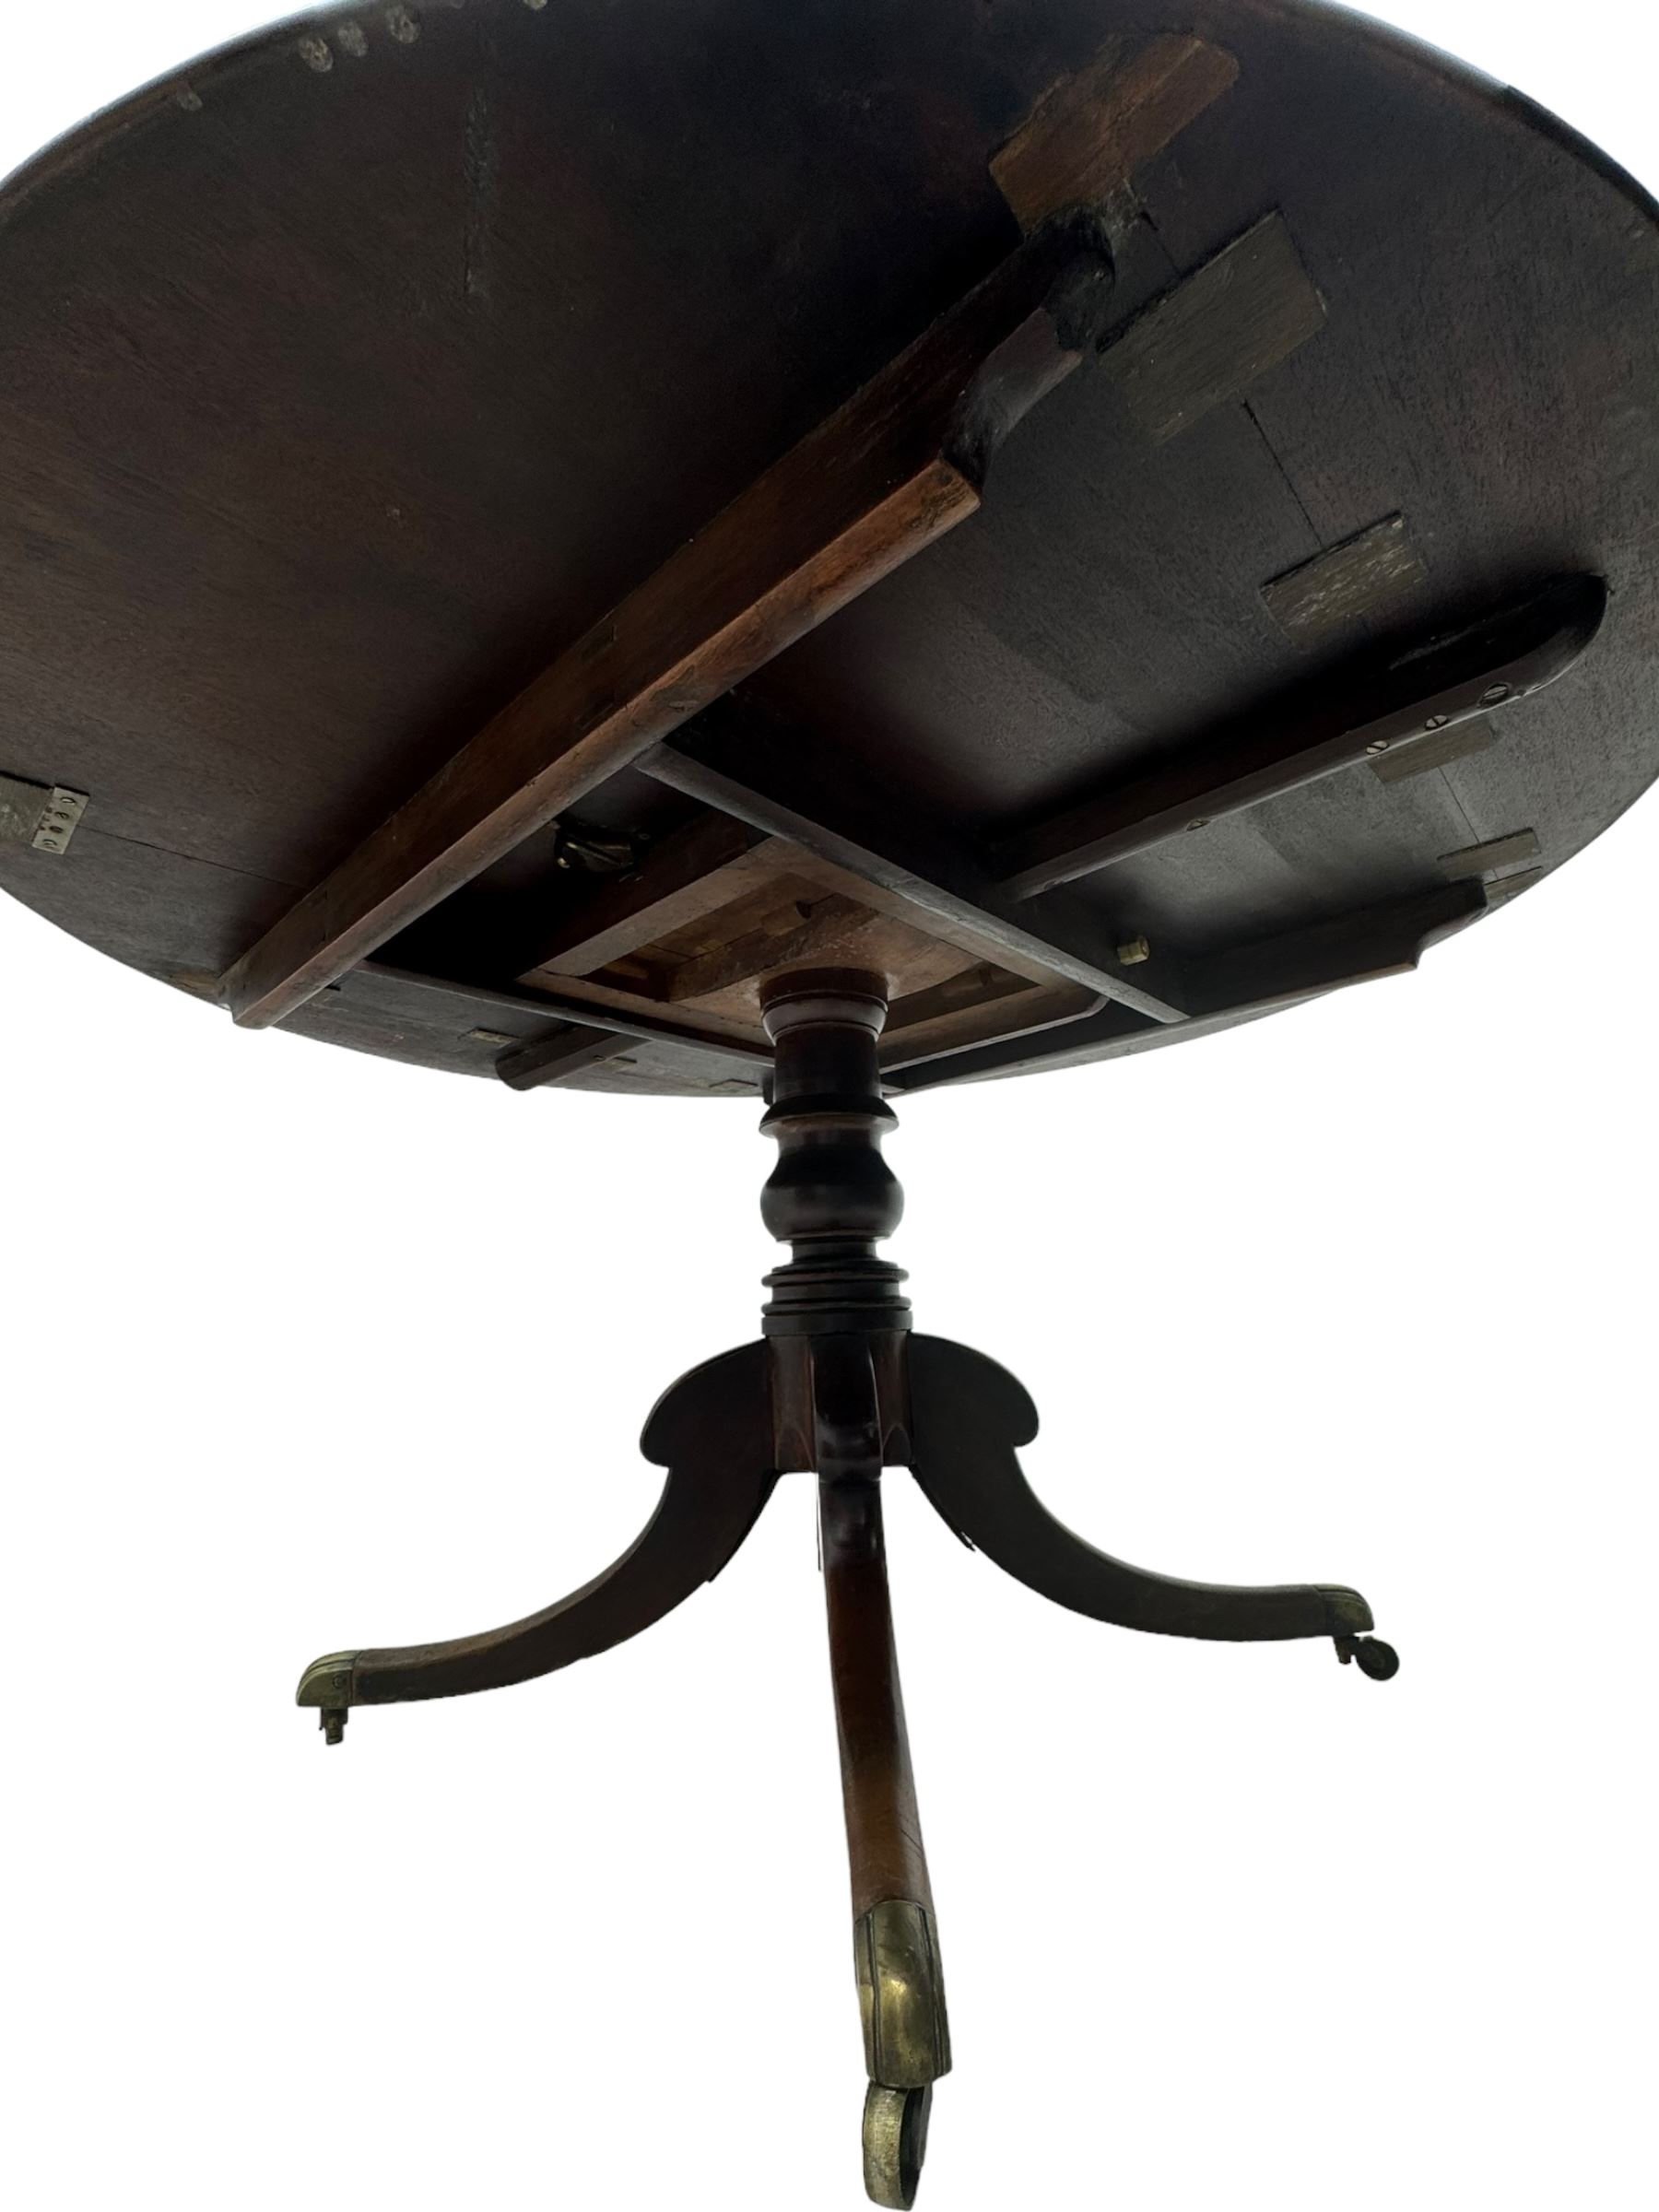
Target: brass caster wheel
point(895, 2143)
point(1370, 1655)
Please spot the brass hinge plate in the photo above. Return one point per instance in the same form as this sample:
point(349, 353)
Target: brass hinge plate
point(43, 816)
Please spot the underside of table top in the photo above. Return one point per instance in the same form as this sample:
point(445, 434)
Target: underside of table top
point(525, 520)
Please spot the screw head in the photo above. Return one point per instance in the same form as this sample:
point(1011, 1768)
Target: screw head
point(1494, 695)
point(1437, 722)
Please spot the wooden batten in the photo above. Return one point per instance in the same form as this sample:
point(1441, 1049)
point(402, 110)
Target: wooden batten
point(551, 1059)
point(1472, 674)
point(1241, 985)
point(1090, 133)
point(794, 863)
point(1007, 1007)
point(898, 466)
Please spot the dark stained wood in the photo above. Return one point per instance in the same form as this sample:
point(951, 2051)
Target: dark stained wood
point(682, 877)
point(713, 1433)
point(1353, 948)
point(1028, 1010)
point(1422, 397)
point(970, 1417)
point(1240, 985)
point(722, 933)
point(630, 993)
point(923, 946)
point(978, 986)
point(1480, 670)
point(895, 467)
point(164, 913)
point(363, 393)
point(878, 1788)
point(1090, 133)
point(365, 396)
point(475, 1003)
point(551, 1059)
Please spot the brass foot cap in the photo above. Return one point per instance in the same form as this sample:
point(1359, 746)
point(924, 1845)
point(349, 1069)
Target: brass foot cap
point(895, 2143)
point(328, 1681)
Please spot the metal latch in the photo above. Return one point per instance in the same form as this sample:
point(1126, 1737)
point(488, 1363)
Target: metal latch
point(598, 852)
point(44, 816)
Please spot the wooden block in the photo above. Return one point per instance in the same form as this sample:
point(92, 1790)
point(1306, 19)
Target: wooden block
point(980, 985)
point(1497, 853)
point(1207, 341)
point(629, 1005)
point(533, 1067)
point(801, 931)
point(1084, 141)
point(1437, 750)
point(1505, 888)
point(1367, 576)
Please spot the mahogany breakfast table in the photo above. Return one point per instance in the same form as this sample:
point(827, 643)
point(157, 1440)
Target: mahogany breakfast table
point(803, 553)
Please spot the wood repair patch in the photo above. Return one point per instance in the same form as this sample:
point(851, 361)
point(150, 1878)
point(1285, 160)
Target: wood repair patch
point(1497, 853)
point(1367, 577)
point(1437, 749)
point(1208, 340)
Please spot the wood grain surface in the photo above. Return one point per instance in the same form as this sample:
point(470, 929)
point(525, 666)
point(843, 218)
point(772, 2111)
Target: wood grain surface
point(341, 400)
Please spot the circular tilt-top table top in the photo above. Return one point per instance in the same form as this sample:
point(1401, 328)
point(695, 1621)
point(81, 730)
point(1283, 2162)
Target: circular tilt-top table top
point(526, 517)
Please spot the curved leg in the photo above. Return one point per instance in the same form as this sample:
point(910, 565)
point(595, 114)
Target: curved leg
point(713, 1431)
point(895, 1942)
point(968, 1415)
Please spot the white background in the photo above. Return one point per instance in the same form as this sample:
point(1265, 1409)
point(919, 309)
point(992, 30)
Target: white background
point(301, 1350)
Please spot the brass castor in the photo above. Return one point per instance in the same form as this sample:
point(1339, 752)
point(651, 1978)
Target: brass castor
point(895, 2143)
point(1370, 1654)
